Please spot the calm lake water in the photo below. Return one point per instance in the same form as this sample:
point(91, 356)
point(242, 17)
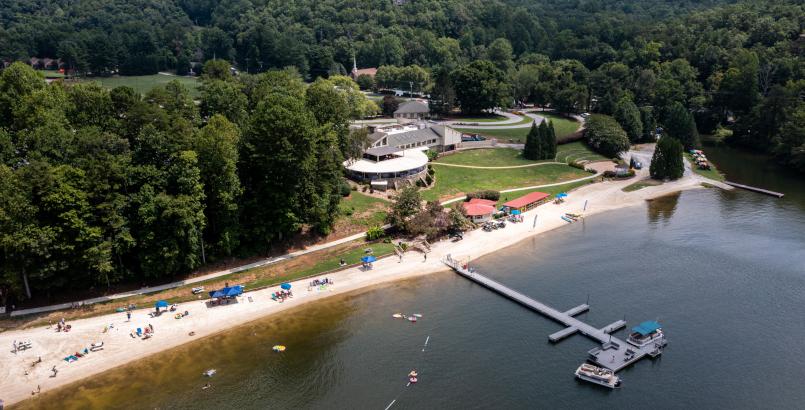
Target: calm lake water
point(724, 272)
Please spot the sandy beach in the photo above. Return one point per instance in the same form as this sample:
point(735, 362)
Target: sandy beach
point(18, 378)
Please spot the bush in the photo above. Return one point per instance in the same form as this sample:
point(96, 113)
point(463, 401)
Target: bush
point(605, 136)
point(419, 183)
point(575, 164)
point(365, 82)
point(349, 211)
point(432, 155)
point(491, 195)
point(354, 187)
point(364, 188)
point(345, 188)
point(428, 179)
point(374, 233)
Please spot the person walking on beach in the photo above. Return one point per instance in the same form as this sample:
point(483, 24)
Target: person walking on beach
point(426, 257)
point(128, 316)
point(55, 372)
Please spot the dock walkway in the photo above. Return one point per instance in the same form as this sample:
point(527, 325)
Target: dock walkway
point(614, 353)
point(755, 189)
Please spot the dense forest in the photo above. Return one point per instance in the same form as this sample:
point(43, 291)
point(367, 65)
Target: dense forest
point(105, 186)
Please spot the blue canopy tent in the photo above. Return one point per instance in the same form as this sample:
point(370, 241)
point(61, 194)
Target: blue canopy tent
point(161, 304)
point(646, 328)
point(515, 212)
point(229, 292)
point(561, 195)
point(368, 259)
point(286, 286)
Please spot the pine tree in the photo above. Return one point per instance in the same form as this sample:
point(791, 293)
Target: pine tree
point(667, 160)
point(532, 149)
point(550, 152)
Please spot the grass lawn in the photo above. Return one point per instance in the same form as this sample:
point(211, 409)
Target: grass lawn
point(641, 184)
point(452, 181)
point(51, 73)
point(562, 126)
point(711, 173)
point(576, 151)
point(488, 157)
point(144, 83)
point(359, 212)
point(484, 118)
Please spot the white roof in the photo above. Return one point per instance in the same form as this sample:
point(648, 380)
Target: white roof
point(408, 160)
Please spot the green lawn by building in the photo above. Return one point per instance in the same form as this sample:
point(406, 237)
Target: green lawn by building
point(488, 157)
point(144, 83)
point(563, 127)
point(577, 151)
point(481, 118)
point(362, 210)
point(453, 181)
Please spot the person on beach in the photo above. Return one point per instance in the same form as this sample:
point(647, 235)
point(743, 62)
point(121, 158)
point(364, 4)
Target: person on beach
point(55, 372)
point(128, 316)
point(426, 257)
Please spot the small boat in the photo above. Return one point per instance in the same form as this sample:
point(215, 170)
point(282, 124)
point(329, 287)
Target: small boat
point(598, 375)
point(412, 318)
point(397, 315)
point(417, 315)
point(279, 348)
point(573, 215)
point(567, 219)
point(412, 379)
point(210, 372)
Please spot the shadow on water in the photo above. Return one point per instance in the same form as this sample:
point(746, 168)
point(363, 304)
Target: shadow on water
point(660, 210)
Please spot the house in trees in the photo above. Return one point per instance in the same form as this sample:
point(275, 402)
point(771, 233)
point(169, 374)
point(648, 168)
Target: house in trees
point(397, 152)
point(412, 110)
point(355, 73)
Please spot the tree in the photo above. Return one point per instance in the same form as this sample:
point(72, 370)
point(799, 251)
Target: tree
point(628, 116)
point(500, 52)
point(533, 143)
point(407, 203)
point(16, 82)
point(549, 141)
point(217, 70)
point(365, 82)
point(389, 105)
point(667, 161)
point(680, 124)
point(480, 86)
point(605, 136)
point(649, 124)
point(738, 89)
point(225, 98)
point(217, 149)
point(443, 95)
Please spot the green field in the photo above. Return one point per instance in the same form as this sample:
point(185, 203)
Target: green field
point(487, 157)
point(360, 210)
point(711, 173)
point(577, 151)
point(452, 181)
point(50, 73)
point(485, 118)
point(144, 83)
point(562, 126)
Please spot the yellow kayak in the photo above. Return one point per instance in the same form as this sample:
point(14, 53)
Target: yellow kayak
point(279, 348)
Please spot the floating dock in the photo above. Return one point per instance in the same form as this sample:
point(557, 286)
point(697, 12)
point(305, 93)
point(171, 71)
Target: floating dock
point(755, 189)
point(614, 354)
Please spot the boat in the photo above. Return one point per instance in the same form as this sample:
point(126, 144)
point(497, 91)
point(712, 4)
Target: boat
point(397, 315)
point(598, 375)
point(279, 348)
point(210, 372)
point(417, 315)
point(647, 333)
point(567, 219)
point(412, 379)
point(412, 318)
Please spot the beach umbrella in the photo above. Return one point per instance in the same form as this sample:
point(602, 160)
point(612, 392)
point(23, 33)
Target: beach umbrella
point(368, 259)
point(161, 304)
point(285, 286)
point(561, 195)
point(516, 212)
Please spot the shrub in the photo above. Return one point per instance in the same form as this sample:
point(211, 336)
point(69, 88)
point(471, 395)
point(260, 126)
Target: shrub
point(419, 183)
point(428, 179)
point(354, 187)
point(364, 188)
point(365, 82)
point(345, 188)
point(491, 195)
point(374, 233)
point(605, 136)
point(575, 164)
point(432, 155)
point(349, 211)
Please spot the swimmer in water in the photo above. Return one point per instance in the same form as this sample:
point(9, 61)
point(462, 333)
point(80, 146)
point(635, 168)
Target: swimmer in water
point(206, 386)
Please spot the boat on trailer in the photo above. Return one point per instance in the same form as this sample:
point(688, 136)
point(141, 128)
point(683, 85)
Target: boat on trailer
point(598, 375)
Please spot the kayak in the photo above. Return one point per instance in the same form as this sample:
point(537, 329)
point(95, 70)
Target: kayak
point(397, 315)
point(210, 372)
point(417, 315)
point(279, 348)
point(412, 319)
point(567, 219)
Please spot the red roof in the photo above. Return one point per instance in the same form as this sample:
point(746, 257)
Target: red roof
point(478, 209)
point(368, 71)
point(480, 201)
point(526, 200)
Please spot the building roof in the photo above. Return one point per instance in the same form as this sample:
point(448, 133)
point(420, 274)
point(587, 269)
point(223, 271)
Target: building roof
point(412, 107)
point(412, 137)
point(526, 200)
point(646, 328)
point(488, 202)
point(408, 160)
point(384, 150)
point(476, 209)
point(376, 136)
point(368, 71)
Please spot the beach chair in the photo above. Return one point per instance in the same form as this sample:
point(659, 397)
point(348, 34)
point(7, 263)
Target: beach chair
point(139, 331)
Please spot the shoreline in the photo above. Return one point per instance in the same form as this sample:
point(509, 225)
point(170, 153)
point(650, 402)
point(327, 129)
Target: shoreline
point(121, 349)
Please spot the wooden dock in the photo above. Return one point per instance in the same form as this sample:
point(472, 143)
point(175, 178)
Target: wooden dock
point(614, 353)
point(755, 189)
